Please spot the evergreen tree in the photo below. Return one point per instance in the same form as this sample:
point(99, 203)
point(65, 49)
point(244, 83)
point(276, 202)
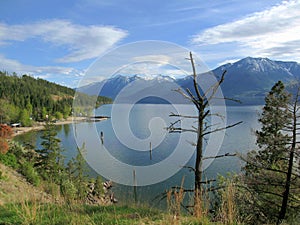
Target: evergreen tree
point(70, 169)
point(24, 118)
point(8, 112)
point(99, 186)
point(77, 171)
point(44, 113)
point(266, 169)
point(38, 97)
point(52, 161)
point(275, 117)
point(29, 107)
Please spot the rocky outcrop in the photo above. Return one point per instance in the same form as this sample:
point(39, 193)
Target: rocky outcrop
point(104, 196)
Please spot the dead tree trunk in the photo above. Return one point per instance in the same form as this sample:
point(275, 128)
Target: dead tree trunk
point(201, 101)
point(198, 166)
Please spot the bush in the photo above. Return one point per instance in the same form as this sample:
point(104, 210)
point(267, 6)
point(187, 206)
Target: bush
point(3, 146)
point(30, 173)
point(99, 186)
point(5, 131)
point(52, 189)
point(59, 115)
point(9, 159)
point(24, 118)
point(17, 149)
point(68, 190)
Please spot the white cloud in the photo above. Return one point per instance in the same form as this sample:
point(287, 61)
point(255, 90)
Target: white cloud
point(151, 69)
point(228, 61)
point(16, 66)
point(83, 42)
point(163, 59)
point(270, 33)
point(52, 73)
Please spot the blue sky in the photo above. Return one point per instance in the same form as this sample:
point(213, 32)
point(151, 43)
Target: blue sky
point(58, 40)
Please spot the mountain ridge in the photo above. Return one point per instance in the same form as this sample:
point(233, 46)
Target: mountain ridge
point(248, 80)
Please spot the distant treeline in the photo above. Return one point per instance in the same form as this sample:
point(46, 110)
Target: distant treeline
point(25, 99)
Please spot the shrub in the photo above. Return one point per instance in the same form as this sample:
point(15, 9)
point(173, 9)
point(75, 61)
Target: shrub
point(68, 190)
point(24, 118)
point(5, 131)
point(9, 159)
point(17, 149)
point(99, 186)
point(59, 115)
point(30, 173)
point(3, 146)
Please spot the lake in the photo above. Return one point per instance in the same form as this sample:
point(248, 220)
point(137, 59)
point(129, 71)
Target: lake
point(133, 130)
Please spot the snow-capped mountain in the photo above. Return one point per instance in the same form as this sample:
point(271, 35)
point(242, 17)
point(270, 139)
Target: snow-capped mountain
point(248, 80)
point(251, 78)
point(112, 86)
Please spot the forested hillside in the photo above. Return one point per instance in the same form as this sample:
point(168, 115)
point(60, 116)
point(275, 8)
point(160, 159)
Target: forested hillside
point(25, 99)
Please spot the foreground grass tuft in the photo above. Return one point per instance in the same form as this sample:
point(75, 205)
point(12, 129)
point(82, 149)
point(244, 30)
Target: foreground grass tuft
point(48, 213)
point(36, 213)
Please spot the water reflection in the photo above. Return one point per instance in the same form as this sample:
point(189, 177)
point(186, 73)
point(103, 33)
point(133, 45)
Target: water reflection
point(238, 139)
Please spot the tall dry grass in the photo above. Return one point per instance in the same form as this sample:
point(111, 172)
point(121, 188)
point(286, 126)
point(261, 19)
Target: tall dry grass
point(228, 210)
point(174, 202)
point(29, 209)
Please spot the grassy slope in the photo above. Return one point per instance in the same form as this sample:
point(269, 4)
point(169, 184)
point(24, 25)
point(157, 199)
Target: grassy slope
point(22, 203)
point(36, 213)
point(15, 188)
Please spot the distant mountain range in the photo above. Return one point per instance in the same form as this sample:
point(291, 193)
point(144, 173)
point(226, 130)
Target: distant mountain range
point(247, 80)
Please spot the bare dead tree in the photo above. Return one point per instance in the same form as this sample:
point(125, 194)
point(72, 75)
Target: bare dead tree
point(201, 101)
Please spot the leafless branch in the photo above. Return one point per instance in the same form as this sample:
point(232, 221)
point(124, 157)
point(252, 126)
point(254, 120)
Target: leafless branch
point(206, 114)
point(185, 96)
point(229, 99)
point(218, 115)
point(192, 143)
point(220, 129)
point(190, 168)
point(182, 116)
point(200, 98)
point(219, 156)
point(180, 130)
point(214, 88)
point(195, 101)
point(208, 181)
point(210, 126)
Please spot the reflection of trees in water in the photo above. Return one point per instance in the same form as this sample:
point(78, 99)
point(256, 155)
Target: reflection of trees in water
point(28, 139)
point(58, 128)
point(66, 129)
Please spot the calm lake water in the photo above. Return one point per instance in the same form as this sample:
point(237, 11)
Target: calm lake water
point(127, 139)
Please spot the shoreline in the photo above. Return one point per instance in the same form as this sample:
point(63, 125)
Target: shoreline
point(40, 125)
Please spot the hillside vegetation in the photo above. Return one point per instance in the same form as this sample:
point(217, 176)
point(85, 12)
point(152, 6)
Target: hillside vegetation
point(24, 203)
point(24, 98)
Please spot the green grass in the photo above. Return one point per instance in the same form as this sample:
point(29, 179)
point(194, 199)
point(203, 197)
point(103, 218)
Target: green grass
point(36, 213)
point(47, 214)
